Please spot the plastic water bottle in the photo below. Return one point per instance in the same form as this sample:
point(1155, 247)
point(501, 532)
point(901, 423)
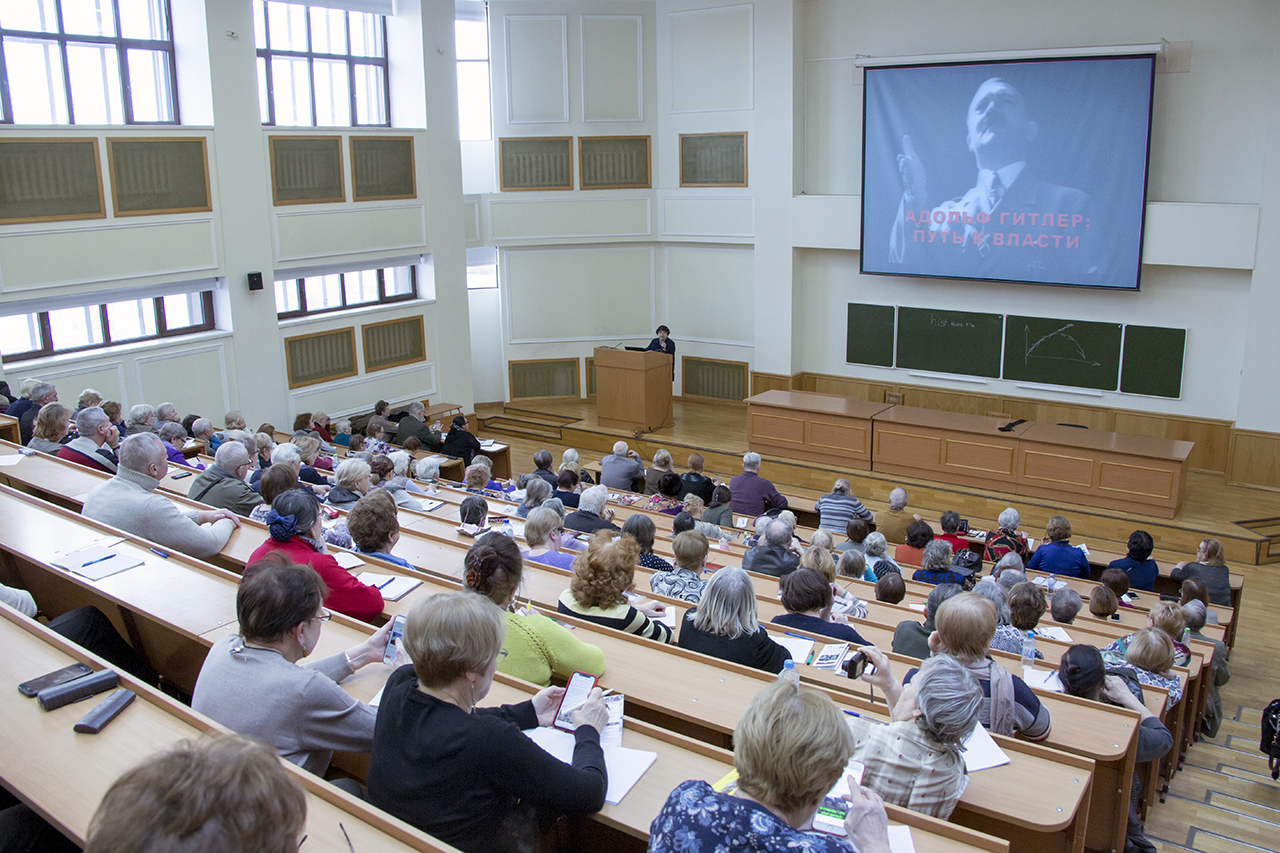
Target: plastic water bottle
point(789, 673)
point(1053, 580)
point(508, 530)
point(1029, 650)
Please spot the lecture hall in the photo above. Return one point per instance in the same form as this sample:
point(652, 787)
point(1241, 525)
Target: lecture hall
point(569, 425)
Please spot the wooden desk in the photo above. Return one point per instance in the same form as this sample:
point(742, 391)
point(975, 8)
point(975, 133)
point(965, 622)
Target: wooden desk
point(968, 450)
point(439, 410)
point(812, 427)
point(9, 429)
point(500, 454)
point(63, 775)
point(1105, 469)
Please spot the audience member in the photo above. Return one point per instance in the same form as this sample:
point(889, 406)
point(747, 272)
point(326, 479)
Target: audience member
point(878, 563)
point(1168, 618)
point(662, 465)
point(202, 430)
point(856, 531)
point(1150, 653)
point(536, 491)
point(1117, 581)
point(375, 527)
point(252, 682)
point(918, 535)
point(806, 595)
point(384, 470)
point(95, 442)
point(1194, 589)
point(966, 623)
point(543, 534)
point(166, 412)
point(174, 437)
point(297, 535)
point(936, 567)
point(622, 470)
point(773, 556)
point(602, 577)
point(1064, 606)
point(915, 761)
point(342, 433)
point(49, 430)
point(1010, 562)
point(911, 638)
point(264, 444)
point(425, 469)
point(725, 624)
point(113, 411)
point(1210, 568)
point(1103, 604)
point(473, 511)
point(667, 501)
point(127, 501)
point(640, 528)
point(951, 522)
point(412, 425)
point(225, 793)
point(694, 482)
point(891, 588)
point(892, 522)
point(566, 489)
point(836, 508)
point(851, 564)
point(459, 442)
point(753, 495)
point(142, 418)
point(720, 511)
point(402, 469)
point(1009, 576)
point(1006, 538)
point(535, 647)
point(380, 417)
point(42, 394)
point(1056, 555)
point(591, 514)
point(789, 749)
point(542, 468)
point(223, 484)
point(684, 580)
point(1083, 674)
point(694, 508)
point(468, 775)
point(1137, 564)
point(1026, 606)
point(569, 459)
point(1221, 669)
point(374, 439)
point(89, 397)
point(19, 407)
point(1006, 637)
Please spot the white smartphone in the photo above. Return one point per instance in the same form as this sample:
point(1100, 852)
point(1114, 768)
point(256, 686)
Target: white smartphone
point(397, 631)
point(830, 815)
point(575, 694)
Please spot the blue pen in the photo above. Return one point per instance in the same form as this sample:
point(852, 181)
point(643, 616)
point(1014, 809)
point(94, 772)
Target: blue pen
point(386, 584)
point(851, 713)
point(158, 552)
point(99, 560)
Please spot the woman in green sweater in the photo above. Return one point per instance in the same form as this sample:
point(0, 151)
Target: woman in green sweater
point(535, 646)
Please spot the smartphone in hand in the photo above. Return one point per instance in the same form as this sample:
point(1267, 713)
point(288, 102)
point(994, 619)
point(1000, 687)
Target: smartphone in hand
point(575, 694)
point(397, 631)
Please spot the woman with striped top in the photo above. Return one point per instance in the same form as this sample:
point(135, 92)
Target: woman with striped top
point(835, 509)
point(602, 577)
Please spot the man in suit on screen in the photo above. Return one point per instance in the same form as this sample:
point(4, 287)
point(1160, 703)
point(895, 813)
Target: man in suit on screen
point(970, 235)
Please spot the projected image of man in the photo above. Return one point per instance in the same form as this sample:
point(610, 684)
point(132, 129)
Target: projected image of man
point(1010, 222)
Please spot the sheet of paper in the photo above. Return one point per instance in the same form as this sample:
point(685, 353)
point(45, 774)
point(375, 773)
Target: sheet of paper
point(918, 606)
point(6, 461)
point(392, 587)
point(740, 523)
point(981, 752)
point(348, 560)
point(1054, 632)
point(1045, 679)
point(377, 697)
point(668, 618)
point(800, 647)
point(432, 506)
point(1057, 584)
point(625, 766)
point(900, 839)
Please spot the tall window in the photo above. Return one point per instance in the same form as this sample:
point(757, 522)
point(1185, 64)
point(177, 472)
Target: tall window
point(482, 268)
point(318, 294)
point(87, 62)
point(321, 67)
point(27, 336)
point(474, 111)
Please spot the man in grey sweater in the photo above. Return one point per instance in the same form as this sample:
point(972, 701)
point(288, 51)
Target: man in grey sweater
point(127, 501)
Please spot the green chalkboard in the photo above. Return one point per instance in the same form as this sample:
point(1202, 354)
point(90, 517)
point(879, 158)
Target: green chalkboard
point(1062, 352)
point(870, 335)
point(949, 341)
point(1153, 361)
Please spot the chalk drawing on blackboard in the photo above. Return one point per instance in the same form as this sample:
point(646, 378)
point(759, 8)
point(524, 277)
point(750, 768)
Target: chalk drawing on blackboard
point(1058, 345)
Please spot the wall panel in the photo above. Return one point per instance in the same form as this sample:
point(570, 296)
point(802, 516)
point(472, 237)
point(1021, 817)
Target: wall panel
point(350, 230)
point(594, 217)
point(711, 293)
point(712, 59)
point(685, 216)
point(171, 376)
point(612, 68)
point(561, 294)
point(537, 68)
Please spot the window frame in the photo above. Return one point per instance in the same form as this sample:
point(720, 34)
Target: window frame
point(266, 53)
point(122, 46)
point(488, 73)
point(383, 297)
point(163, 331)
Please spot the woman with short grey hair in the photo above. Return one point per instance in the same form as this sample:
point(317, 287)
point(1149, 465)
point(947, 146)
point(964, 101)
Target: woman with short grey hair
point(1007, 538)
point(1007, 638)
point(350, 483)
point(535, 492)
point(726, 625)
point(936, 566)
point(427, 469)
point(878, 562)
point(142, 418)
point(915, 761)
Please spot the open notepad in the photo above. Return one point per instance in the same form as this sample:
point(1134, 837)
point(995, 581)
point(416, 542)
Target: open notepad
point(392, 587)
point(981, 752)
point(96, 561)
point(625, 766)
point(799, 647)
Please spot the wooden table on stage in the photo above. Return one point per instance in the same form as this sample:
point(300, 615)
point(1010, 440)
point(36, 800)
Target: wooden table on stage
point(812, 427)
point(968, 450)
point(1104, 469)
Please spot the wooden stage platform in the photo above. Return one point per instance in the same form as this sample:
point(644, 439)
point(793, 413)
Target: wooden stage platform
point(1242, 518)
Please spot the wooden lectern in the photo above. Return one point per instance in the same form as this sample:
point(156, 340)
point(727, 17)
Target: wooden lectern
point(633, 389)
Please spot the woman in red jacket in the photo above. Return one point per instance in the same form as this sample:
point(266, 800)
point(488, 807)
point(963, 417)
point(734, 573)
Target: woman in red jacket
point(296, 534)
